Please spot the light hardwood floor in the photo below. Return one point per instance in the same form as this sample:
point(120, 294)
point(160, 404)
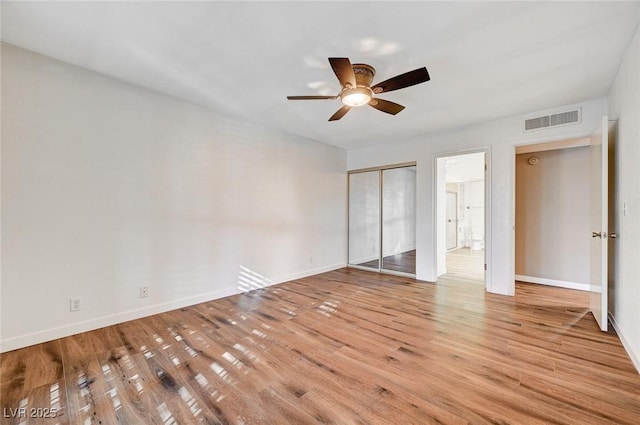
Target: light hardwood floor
point(344, 347)
point(464, 263)
point(461, 263)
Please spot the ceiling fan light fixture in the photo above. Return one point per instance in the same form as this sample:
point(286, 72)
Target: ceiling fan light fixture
point(355, 80)
point(357, 96)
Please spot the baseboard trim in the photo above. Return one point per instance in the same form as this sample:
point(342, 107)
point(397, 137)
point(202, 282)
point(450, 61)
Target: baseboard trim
point(112, 319)
point(553, 282)
point(125, 316)
point(625, 343)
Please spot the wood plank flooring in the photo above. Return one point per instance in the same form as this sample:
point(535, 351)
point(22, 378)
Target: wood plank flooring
point(344, 347)
point(464, 263)
point(461, 263)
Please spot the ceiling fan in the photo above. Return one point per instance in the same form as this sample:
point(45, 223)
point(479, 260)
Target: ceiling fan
point(357, 90)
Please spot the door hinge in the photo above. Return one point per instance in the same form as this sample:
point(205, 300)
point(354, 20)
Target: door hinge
point(485, 267)
point(485, 167)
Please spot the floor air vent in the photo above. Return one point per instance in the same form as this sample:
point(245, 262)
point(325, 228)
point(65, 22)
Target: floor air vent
point(562, 118)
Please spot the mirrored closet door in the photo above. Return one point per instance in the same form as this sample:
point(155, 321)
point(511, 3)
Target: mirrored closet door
point(382, 219)
point(364, 219)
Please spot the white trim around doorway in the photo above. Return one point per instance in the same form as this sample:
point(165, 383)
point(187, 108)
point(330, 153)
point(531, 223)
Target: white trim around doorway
point(487, 207)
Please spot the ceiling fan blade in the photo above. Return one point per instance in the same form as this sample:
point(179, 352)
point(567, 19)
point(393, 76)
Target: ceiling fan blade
point(344, 71)
point(386, 106)
point(311, 97)
point(340, 113)
point(401, 81)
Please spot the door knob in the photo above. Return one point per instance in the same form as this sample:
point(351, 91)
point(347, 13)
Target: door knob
point(596, 234)
point(613, 235)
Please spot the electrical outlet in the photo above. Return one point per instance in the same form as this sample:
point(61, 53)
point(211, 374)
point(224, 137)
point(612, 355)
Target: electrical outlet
point(75, 304)
point(144, 291)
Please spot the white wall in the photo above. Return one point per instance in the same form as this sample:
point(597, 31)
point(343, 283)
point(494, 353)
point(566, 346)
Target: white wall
point(500, 136)
point(553, 203)
point(624, 106)
point(107, 187)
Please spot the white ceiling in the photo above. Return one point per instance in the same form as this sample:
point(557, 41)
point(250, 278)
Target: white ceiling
point(487, 60)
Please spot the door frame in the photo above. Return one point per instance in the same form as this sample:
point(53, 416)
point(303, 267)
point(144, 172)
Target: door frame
point(487, 207)
point(581, 139)
point(553, 144)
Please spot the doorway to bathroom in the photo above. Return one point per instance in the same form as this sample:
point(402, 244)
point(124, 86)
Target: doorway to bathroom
point(461, 216)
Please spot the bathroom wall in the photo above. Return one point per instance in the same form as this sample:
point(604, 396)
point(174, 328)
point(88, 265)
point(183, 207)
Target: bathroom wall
point(457, 190)
point(466, 173)
point(472, 206)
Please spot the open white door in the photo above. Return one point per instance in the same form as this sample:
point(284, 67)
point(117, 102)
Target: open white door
point(599, 223)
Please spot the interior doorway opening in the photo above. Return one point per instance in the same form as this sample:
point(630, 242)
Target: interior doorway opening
point(461, 215)
point(552, 221)
point(564, 215)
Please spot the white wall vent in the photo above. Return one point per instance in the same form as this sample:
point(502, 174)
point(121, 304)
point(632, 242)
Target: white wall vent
point(554, 120)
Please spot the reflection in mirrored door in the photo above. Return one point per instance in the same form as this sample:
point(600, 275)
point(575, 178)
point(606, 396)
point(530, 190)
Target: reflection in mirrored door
point(382, 219)
point(399, 219)
point(364, 219)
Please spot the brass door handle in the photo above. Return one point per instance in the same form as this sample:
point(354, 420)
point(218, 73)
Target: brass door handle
point(613, 235)
point(596, 234)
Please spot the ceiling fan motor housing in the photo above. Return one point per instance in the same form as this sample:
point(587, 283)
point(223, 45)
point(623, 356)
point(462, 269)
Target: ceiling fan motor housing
point(364, 74)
